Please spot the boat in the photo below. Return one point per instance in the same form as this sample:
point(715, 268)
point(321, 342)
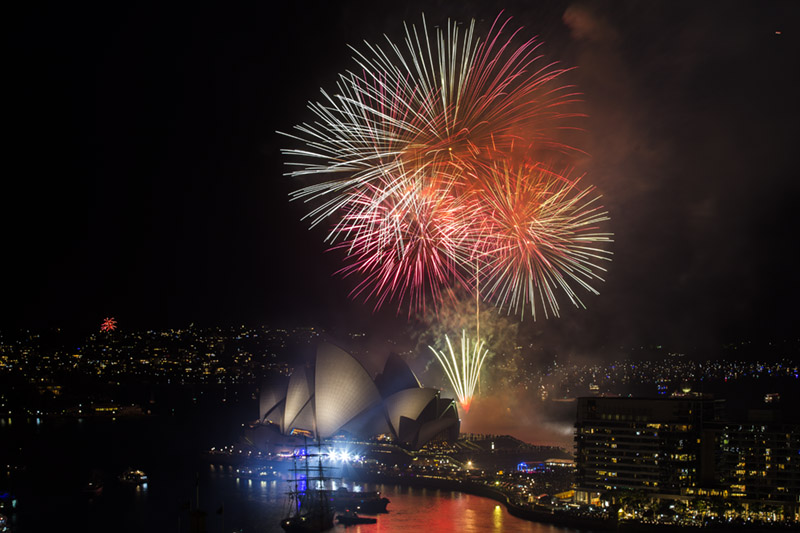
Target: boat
point(135, 477)
point(311, 515)
point(93, 488)
point(351, 518)
point(311, 508)
point(365, 502)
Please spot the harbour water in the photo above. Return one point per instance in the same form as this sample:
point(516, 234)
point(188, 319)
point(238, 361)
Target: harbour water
point(52, 460)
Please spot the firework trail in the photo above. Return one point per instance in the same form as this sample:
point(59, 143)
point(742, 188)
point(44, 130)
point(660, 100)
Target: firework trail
point(420, 148)
point(462, 370)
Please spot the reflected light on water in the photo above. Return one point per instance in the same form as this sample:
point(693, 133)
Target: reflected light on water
point(497, 518)
point(435, 510)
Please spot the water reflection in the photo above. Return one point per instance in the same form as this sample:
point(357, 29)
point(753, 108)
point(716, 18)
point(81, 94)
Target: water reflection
point(179, 483)
point(497, 518)
point(259, 507)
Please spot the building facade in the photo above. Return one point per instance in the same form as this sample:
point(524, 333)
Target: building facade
point(683, 447)
point(761, 460)
point(656, 446)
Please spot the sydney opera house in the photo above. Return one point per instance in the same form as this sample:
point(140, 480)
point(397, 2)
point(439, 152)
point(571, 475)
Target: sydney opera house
point(335, 397)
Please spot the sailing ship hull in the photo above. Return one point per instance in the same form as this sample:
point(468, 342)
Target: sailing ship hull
point(311, 509)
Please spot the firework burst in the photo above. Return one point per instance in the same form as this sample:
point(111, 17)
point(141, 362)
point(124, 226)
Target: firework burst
point(406, 245)
point(444, 96)
point(108, 324)
point(538, 233)
point(462, 366)
point(420, 148)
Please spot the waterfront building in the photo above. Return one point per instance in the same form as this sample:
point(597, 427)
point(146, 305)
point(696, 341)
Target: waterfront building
point(761, 460)
point(654, 446)
point(684, 448)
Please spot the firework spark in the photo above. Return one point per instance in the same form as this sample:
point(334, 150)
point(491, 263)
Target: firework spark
point(407, 245)
point(462, 369)
point(108, 324)
point(416, 146)
point(538, 234)
point(445, 97)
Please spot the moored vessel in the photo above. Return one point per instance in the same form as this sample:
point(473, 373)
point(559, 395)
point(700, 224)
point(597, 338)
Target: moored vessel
point(311, 507)
point(351, 518)
point(365, 502)
point(135, 477)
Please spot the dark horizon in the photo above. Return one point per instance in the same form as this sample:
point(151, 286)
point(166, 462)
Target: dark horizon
point(145, 180)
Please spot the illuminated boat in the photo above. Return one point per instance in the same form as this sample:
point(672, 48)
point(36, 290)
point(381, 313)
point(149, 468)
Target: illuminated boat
point(93, 488)
point(364, 502)
point(351, 518)
point(310, 506)
point(134, 477)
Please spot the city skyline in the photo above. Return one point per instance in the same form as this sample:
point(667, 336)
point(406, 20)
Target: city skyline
point(148, 182)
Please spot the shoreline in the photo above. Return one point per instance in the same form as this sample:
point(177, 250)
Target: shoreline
point(549, 517)
point(476, 489)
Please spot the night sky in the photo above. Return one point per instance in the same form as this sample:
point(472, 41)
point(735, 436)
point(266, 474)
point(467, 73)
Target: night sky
point(143, 180)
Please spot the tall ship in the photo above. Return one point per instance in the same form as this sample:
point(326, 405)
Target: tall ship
point(311, 507)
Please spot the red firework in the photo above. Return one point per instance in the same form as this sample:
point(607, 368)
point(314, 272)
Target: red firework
point(537, 234)
point(405, 245)
point(439, 148)
point(108, 324)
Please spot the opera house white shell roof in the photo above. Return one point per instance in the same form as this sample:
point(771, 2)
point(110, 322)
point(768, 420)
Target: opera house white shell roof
point(336, 395)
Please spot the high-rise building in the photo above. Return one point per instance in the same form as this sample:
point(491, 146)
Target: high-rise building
point(684, 447)
point(761, 459)
point(657, 446)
